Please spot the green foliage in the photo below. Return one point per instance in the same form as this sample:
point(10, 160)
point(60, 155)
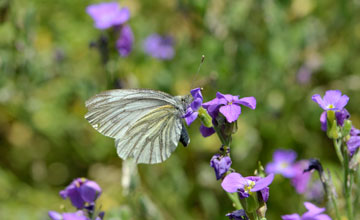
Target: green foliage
point(252, 48)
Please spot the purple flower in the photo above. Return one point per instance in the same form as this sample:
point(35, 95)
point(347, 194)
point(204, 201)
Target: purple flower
point(300, 180)
point(191, 112)
point(108, 14)
point(160, 47)
point(246, 186)
point(333, 100)
point(125, 41)
point(354, 141)
point(78, 215)
point(237, 215)
point(221, 165)
point(228, 105)
point(81, 191)
point(282, 163)
point(313, 213)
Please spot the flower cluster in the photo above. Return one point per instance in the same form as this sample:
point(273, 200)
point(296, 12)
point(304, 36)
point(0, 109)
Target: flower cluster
point(111, 15)
point(82, 194)
point(335, 119)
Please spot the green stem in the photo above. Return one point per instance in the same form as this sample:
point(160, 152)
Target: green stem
point(219, 135)
point(348, 178)
point(337, 146)
point(334, 203)
point(235, 199)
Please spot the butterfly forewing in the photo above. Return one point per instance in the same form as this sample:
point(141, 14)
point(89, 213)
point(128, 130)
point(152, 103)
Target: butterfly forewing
point(113, 112)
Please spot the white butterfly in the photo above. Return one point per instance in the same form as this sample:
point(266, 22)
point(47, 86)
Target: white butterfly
point(146, 124)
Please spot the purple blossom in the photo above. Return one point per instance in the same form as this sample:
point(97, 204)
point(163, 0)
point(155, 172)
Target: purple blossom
point(282, 163)
point(246, 186)
point(237, 215)
point(313, 213)
point(160, 47)
point(125, 41)
point(81, 191)
point(221, 165)
point(354, 141)
point(191, 112)
point(332, 100)
point(108, 14)
point(78, 215)
point(228, 105)
point(300, 180)
point(205, 131)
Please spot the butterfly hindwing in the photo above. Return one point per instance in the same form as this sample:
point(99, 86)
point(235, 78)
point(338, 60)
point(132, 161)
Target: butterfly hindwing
point(153, 137)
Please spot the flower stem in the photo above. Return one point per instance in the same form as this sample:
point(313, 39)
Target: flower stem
point(348, 179)
point(235, 199)
point(337, 146)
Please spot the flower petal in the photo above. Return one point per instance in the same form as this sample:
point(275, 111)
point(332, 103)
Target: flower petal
point(190, 118)
point(332, 97)
point(323, 121)
point(231, 112)
point(90, 191)
point(342, 102)
point(205, 131)
point(313, 210)
point(249, 102)
point(291, 217)
point(232, 182)
point(317, 98)
point(322, 217)
point(108, 14)
point(196, 93)
point(196, 104)
point(55, 215)
point(262, 183)
point(220, 164)
point(226, 97)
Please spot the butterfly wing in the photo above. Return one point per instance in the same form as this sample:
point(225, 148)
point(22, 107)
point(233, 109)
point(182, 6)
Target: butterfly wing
point(113, 112)
point(153, 137)
point(146, 124)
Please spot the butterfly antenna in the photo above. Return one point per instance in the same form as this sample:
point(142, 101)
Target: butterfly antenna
point(201, 62)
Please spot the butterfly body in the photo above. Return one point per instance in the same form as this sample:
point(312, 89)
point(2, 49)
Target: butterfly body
point(146, 124)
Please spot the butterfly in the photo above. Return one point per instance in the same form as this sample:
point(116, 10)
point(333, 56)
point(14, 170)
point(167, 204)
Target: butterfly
point(147, 125)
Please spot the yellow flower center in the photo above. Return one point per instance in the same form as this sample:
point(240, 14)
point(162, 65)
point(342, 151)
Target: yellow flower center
point(248, 188)
point(284, 165)
point(331, 106)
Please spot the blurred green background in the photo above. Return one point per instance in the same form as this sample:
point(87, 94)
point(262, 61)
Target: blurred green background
point(282, 52)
